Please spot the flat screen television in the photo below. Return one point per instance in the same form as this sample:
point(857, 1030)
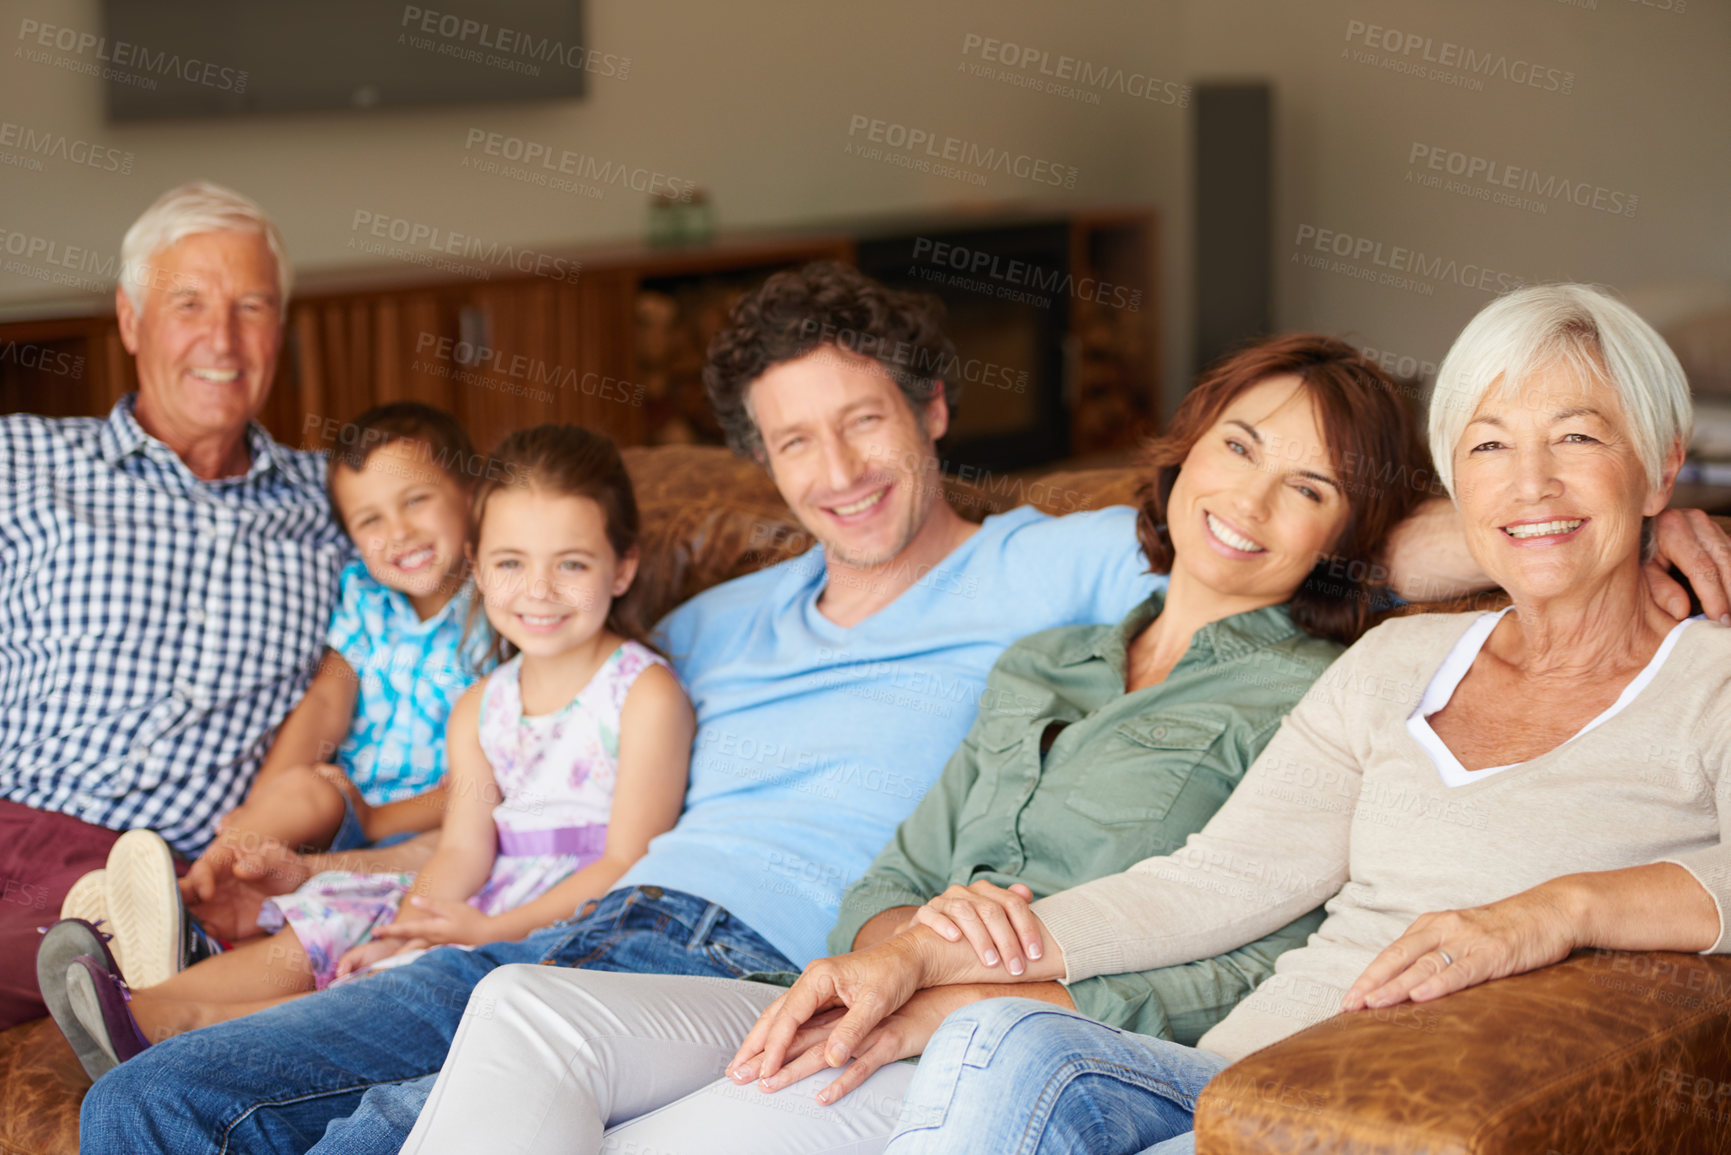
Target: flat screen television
point(164, 59)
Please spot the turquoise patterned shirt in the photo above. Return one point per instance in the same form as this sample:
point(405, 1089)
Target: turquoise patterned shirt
point(411, 674)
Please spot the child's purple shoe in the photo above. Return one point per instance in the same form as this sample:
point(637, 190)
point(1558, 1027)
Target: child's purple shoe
point(61, 943)
point(98, 998)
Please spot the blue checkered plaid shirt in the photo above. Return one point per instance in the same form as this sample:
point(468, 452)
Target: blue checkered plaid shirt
point(155, 629)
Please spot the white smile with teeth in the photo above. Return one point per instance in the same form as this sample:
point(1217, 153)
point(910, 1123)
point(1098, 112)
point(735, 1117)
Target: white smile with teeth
point(219, 376)
point(537, 620)
point(1544, 528)
point(415, 560)
point(1237, 541)
point(861, 505)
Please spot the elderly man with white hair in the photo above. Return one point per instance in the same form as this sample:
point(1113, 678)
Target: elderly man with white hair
point(1474, 795)
point(167, 574)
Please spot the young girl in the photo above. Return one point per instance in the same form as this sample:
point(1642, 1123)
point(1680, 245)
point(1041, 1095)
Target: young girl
point(360, 758)
point(564, 763)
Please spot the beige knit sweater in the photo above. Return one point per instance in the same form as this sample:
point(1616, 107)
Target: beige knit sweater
point(1345, 803)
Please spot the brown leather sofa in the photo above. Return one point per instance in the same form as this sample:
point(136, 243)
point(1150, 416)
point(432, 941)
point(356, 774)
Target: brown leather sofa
point(1605, 1052)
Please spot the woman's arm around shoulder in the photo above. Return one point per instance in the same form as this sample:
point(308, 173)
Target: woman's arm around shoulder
point(1428, 559)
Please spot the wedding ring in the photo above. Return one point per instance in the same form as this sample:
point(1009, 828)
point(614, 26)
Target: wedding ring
point(1448, 959)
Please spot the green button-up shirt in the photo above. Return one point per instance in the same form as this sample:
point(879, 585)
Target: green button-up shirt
point(1127, 776)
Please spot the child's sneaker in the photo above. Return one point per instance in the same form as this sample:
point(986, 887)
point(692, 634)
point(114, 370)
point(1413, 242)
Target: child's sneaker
point(97, 998)
point(63, 944)
point(144, 911)
point(196, 943)
point(88, 898)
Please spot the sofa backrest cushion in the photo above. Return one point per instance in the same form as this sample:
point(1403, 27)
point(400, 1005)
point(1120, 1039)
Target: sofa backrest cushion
point(709, 516)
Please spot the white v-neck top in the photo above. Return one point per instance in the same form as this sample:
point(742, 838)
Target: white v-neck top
point(1453, 671)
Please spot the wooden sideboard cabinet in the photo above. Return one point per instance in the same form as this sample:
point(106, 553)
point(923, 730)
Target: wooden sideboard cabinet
point(613, 337)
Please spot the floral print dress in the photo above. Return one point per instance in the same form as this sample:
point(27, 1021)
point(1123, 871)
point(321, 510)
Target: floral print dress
point(556, 773)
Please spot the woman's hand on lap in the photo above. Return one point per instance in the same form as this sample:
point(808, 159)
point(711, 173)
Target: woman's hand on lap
point(1519, 934)
point(807, 1046)
point(996, 922)
point(870, 984)
point(901, 1035)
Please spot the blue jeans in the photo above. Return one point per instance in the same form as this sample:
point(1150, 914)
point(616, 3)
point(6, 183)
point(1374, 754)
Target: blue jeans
point(1016, 1075)
point(347, 1069)
point(350, 836)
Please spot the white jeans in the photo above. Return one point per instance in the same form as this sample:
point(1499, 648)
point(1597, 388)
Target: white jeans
point(569, 1062)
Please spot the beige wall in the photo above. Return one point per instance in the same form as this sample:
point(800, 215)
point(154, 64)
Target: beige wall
point(754, 102)
point(1649, 116)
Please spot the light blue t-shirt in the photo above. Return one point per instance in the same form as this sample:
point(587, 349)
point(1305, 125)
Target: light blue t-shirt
point(411, 674)
point(815, 741)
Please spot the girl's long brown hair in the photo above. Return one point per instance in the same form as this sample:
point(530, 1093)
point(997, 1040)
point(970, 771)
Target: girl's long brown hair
point(570, 461)
point(1372, 435)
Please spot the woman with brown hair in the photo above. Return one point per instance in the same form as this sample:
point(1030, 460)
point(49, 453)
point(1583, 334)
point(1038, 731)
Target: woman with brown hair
point(1094, 747)
point(1474, 795)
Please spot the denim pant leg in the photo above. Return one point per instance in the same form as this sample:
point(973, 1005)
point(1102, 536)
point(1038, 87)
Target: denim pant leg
point(642, 930)
point(1015, 1075)
point(349, 835)
point(381, 1121)
point(271, 1081)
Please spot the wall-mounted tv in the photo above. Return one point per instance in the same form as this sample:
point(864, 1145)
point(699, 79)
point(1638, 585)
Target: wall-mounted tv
point(207, 58)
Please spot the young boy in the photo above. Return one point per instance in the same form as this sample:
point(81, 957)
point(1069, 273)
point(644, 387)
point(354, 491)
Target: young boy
point(360, 759)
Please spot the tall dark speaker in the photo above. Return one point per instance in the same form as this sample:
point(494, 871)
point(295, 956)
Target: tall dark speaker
point(1234, 206)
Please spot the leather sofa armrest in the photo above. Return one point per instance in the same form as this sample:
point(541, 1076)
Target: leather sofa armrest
point(1605, 1051)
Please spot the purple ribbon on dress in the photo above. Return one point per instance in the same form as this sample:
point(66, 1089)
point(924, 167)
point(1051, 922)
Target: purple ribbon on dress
point(582, 841)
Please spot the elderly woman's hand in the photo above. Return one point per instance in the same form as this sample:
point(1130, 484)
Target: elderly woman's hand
point(996, 922)
point(1694, 543)
point(1453, 949)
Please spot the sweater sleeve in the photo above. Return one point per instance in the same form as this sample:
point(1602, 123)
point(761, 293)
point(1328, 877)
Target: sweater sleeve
point(1185, 1002)
point(1711, 865)
point(1275, 850)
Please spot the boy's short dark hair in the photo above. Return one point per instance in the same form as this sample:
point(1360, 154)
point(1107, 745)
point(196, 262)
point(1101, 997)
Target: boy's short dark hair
point(447, 443)
point(826, 303)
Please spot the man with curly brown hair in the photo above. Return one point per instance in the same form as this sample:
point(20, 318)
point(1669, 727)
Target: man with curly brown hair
point(829, 689)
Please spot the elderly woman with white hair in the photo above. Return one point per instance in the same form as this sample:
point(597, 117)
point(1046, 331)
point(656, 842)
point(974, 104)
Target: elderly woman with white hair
point(1473, 794)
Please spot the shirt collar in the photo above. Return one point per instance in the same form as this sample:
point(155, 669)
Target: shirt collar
point(411, 622)
point(122, 436)
point(1221, 641)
